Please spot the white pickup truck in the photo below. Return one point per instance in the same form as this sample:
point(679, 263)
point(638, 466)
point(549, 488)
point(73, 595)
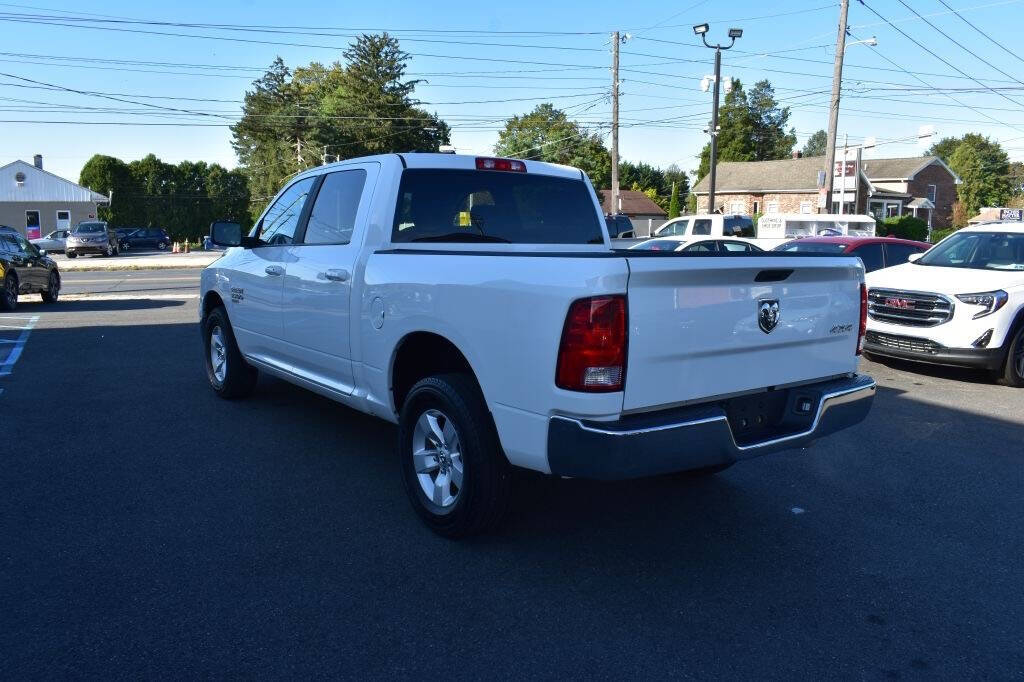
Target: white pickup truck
point(478, 303)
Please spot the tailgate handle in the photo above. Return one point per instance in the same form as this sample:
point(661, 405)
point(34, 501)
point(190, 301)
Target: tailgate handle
point(772, 275)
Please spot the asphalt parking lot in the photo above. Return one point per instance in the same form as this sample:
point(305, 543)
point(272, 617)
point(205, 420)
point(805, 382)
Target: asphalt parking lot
point(150, 529)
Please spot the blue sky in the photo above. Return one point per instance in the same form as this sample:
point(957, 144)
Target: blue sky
point(484, 62)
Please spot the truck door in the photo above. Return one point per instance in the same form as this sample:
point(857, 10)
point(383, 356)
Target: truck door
point(257, 278)
point(319, 274)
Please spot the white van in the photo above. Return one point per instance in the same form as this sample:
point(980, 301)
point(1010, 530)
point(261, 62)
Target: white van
point(779, 228)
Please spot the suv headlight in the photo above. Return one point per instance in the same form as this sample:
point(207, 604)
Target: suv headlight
point(991, 301)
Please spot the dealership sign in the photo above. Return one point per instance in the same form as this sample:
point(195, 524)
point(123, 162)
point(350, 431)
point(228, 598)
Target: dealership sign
point(1011, 214)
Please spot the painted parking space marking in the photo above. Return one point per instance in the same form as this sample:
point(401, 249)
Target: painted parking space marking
point(17, 345)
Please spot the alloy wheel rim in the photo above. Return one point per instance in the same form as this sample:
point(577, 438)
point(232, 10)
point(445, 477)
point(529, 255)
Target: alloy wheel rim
point(437, 458)
point(54, 286)
point(218, 354)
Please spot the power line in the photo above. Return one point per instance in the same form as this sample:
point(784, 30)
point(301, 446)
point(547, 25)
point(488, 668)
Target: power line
point(931, 52)
point(961, 45)
point(983, 33)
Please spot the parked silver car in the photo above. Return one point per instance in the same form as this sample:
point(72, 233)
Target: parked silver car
point(53, 242)
point(93, 236)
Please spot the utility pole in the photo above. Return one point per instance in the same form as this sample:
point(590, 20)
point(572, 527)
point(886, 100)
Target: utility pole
point(734, 33)
point(833, 116)
point(615, 122)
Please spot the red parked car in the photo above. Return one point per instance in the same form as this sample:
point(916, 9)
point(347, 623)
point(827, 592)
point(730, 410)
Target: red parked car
point(875, 252)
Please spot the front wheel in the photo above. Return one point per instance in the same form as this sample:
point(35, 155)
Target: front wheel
point(1013, 370)
point(453, 469)
point(52, 289)
point(230, 376)
point(9, 293)
point(72, 254)
point(161, 245)
point(109, 252)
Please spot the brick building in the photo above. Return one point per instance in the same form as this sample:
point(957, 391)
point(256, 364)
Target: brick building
point(922, 185)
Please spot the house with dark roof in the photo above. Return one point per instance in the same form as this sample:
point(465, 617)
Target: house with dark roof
point(36, 202)
point(645, 215)
point(923, 186)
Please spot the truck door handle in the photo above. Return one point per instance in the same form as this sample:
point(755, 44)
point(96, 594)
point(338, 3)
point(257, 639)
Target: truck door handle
point(275, 270)
point(336, 275)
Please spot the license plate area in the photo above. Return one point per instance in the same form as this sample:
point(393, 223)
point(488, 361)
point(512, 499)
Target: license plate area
point(772, 414)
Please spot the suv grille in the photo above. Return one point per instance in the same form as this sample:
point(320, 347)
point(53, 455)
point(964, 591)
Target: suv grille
point(909, 308)
point(907, 343)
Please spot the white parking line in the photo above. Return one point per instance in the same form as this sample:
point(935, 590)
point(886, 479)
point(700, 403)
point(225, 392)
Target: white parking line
point(19, 344)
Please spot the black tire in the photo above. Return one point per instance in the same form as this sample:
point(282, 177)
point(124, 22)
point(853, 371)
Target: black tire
point(9, 293)
point(52, 288)
point(1013, 373)
point(72, 254)
point(482, 501)
point(161, 245)
point(109, 251)
point(239, 378)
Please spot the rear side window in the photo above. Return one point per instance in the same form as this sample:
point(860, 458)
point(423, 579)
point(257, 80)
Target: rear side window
point(494, 206)
point(897, 254)
point(334, 212)
point(871, 255)
point(702, 226)
point(678, 227)
point(738, 226)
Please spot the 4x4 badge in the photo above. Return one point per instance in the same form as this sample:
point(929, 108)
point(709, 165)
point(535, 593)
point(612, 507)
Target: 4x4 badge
point(767, 314)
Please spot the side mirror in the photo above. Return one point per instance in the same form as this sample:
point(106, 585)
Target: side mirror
point(225, 233)
point(914, 257)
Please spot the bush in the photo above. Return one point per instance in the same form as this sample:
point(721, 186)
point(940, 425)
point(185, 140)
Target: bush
point(939, 235)
point(904, 227)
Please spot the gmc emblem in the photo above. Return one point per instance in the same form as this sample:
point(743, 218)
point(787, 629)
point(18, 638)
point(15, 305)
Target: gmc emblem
point(901, 303)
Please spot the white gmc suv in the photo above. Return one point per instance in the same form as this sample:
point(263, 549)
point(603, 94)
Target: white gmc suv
point(478, 303)
point(960, 303)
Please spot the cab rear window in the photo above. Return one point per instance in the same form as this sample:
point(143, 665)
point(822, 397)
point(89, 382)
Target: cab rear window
point(494, 206)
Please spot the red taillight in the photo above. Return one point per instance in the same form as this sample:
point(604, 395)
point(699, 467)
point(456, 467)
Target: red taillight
point(863, 318)
point(592, 356)
point(483, 163)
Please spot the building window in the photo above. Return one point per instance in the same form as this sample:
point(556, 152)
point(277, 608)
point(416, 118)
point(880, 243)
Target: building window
point(892, 210)
point(805, 207)
point(932, 193)
point(771, 207)
point(757, 207)
point(737, 206)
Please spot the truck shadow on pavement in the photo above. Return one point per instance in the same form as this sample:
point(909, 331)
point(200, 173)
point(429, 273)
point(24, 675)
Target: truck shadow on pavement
point(181, 523)
point(85, 305)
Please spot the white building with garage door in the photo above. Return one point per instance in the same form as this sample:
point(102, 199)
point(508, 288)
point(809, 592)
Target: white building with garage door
point(36, 203)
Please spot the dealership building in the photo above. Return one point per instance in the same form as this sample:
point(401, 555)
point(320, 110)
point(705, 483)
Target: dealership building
point(36, 202)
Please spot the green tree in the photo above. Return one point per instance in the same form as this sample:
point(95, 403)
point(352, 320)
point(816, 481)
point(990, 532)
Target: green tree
point(816, 145)
point(547, 134)
point(984, 169)
point(292, 120)
point(673, 203)
point(751, 127)
point(945, 147)
point(673, 174)
point(106, 174)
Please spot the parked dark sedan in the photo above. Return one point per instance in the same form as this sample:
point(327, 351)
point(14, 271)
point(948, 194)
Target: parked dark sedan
point(24, 269)
point(148, 238)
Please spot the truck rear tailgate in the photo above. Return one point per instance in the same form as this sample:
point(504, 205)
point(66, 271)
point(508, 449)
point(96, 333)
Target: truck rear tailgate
point(694, 330)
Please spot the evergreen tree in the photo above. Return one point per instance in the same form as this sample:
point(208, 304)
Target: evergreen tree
point(673, 203)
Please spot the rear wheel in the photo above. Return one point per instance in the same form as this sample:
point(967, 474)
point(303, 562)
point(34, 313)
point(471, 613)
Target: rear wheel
point(1013, 370)
point(229, 374)
point(72, 254)
point(454, 471)
point(161, 245)
point(109, 252)
point(52, 289)
point(9, 293)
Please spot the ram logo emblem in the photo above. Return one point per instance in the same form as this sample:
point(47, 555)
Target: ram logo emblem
point(768, 314)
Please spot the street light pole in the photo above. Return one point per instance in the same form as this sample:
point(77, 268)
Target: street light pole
point(734, 33)
point(714, 131)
